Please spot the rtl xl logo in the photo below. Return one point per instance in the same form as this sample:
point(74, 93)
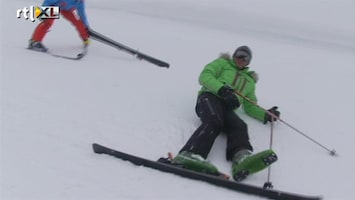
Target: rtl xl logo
point(35, 12)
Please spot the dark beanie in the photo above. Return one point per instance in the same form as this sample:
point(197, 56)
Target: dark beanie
point(243, 52)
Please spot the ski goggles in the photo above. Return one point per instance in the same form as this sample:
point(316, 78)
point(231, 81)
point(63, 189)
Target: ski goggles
point(244, 55)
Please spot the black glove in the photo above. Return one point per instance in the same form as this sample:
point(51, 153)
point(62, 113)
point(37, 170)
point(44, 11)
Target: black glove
point(268, 117)
point(228, 96)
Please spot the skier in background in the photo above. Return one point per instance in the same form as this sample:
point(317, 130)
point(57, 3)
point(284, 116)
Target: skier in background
point(216, 105)
point(72, 10)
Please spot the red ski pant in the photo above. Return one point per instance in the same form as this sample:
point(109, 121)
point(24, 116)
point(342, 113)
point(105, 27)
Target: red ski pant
point(42, 29)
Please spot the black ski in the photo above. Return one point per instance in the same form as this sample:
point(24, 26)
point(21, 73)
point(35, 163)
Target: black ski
point(164, 166)
point(101, 38)
point(76, 57)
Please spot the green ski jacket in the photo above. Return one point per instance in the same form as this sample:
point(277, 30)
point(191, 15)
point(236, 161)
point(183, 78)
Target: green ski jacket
point(223, 71)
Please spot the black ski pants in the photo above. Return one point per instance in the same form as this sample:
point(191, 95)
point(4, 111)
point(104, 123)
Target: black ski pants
point(216, 118)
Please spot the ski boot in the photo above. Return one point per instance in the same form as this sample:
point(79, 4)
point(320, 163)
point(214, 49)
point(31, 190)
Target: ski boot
point(194, 162)
point(244, 163)
point(37, 46)
point(86, 43)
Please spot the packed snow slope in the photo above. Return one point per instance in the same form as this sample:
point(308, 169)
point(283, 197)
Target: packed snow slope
point(52, 109)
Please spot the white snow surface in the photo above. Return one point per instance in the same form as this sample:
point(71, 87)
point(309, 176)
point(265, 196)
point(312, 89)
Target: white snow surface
point(52, 109)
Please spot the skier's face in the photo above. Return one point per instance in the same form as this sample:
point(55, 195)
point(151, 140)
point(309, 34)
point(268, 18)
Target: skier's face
point(240, 62)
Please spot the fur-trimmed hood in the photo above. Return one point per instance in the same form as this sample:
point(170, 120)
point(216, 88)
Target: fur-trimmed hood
point(225, 55)
point(254, 75)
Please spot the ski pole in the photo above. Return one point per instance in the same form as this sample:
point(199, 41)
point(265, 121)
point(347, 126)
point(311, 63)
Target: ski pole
point(268, 183)
point(101, 38)
point(331, 152)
